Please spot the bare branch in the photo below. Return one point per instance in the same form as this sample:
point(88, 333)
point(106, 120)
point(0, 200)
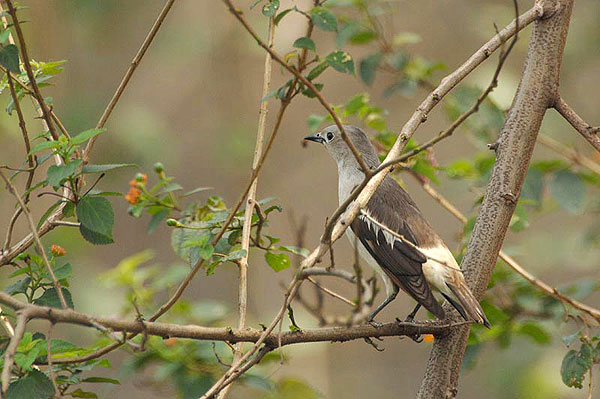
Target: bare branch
point(590, 133)
point(569, 153)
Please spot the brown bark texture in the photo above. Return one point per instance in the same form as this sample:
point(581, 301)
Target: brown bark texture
point(537, 91)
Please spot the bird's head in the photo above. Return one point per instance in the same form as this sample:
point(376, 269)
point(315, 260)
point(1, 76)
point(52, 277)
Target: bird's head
point(332, 139)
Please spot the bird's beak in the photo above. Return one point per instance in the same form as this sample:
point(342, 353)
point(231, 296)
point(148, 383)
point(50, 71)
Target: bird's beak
point(315, 137)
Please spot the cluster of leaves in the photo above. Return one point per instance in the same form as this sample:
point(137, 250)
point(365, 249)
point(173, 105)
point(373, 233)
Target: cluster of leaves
point(36, 285)
point(577, 363)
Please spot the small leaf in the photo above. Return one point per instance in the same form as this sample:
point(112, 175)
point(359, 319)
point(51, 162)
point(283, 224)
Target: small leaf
point(105, 168)
point(64, 271)
point(295, 250)
point(569, 191)
point(44, 145)
point(324, 19)
point(341, 61)
point(278, 262)
point(34, 385)
point(280, 16)
point(270, 8)
point(50, 298)
point(157, 219)
point(196, 190)
point(78, 393)
point(316, 71)
point(575, 365)
point(535, 332)
point(58, 174)
point(19, 287)
point(9, 58)
point(85, 136)
point(102, 380)
point(94, 237)
point(368, 67)
point(305, 42)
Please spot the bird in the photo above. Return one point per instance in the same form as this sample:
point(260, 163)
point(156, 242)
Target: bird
point(394, 237)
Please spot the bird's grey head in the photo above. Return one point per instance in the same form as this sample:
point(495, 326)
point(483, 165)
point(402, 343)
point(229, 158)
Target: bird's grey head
point(332, 139)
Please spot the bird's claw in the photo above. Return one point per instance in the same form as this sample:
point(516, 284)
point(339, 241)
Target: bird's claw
point(375, 323)
point(373, 344)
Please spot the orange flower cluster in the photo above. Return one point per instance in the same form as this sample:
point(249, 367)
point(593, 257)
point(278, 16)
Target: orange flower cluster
point(429, 338)
point(133, 196)
point(57, 250)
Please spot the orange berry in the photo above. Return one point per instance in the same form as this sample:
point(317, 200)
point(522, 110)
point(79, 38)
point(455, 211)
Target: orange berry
point(429, 338)
point(133, 183)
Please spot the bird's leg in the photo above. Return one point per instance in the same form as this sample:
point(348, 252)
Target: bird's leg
point(374, 313)
point(411, 317)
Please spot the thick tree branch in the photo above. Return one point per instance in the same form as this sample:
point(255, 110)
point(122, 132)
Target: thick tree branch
point(166, 330)
point(537, 91)
point(590, 133)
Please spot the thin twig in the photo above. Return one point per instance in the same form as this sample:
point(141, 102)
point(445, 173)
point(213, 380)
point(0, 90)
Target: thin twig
point(32, 226)
point(589, 132)
point(569, 153)
point(332, 293)
point(25, 57)
point(132, 67)
point(49, 358)
point(238, 14)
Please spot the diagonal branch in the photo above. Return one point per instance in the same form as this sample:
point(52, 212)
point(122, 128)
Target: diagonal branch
point(132, 67)
point(590, 133)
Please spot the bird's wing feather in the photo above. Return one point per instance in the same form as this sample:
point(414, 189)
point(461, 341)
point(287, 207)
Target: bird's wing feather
point(402, 262)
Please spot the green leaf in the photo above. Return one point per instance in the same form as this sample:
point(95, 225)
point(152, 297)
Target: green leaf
point(102, 380)
point(535, 332)
point(309, 93)
point(368, 67)
point(295, 250)
point(196, 190)
point(157, 219)
point(4, 36)
point(64, 271)
point(96, 216)
point(95, 237)
point(280, 16)
point(50, 298)
point(568, 189)
point(19, 287)
point(341, 61)
point(85, 136)
point(9, 58)
point(305, 42)
point(575, 365)
point(318, 70)
point(57, 174)
point(34, 385)
point(323, 19)
point(278, 262)
point(270, 8)
point(44, 145)
point(78, 393)
point(105, 168)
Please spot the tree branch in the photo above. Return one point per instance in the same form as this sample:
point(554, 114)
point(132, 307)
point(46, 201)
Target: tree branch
point(590, 133)
point(537, 91)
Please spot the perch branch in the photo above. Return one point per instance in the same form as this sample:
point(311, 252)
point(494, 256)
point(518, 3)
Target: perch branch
point(590, 133)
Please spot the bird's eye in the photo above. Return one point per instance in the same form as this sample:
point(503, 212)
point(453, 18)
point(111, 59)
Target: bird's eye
point(329, 136)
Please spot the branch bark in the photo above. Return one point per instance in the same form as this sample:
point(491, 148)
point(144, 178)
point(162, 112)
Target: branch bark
point(590, 133)
point(537, 91)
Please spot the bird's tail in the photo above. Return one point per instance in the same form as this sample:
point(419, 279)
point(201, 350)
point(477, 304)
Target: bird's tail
point(465, 302)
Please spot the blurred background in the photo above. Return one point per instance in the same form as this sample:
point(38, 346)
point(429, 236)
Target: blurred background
point(193, 105)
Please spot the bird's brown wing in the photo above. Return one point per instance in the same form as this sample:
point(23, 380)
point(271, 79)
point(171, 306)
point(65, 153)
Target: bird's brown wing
point(401, 261)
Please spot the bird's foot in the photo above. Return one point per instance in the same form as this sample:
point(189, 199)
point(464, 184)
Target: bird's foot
point(415, 337)
point(375, 324)
point(373, 344)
